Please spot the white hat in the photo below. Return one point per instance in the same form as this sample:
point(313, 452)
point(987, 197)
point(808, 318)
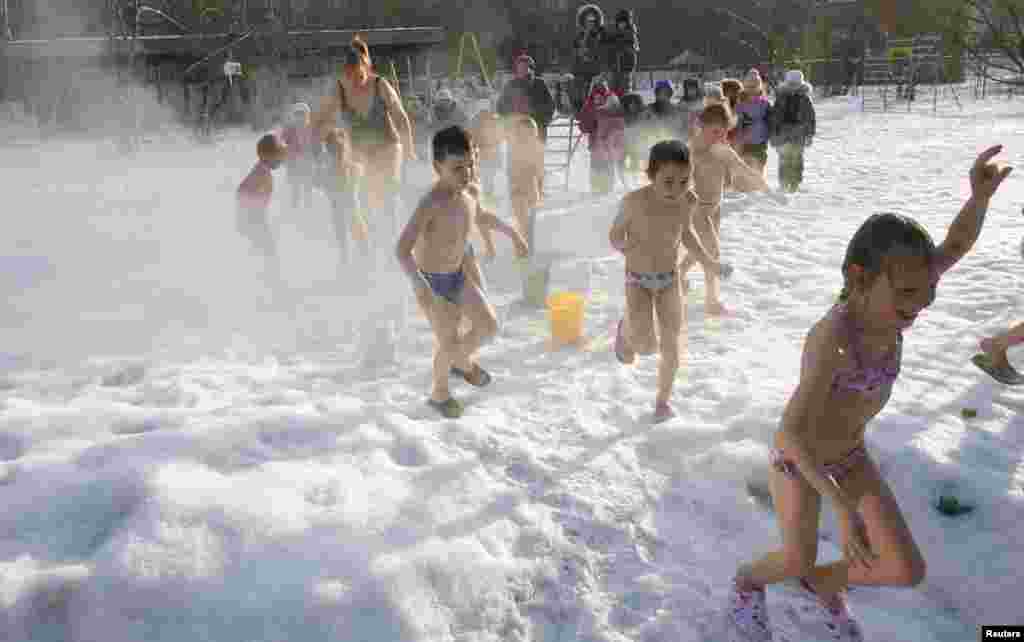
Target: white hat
point(794, 78)
point(445, 95)
point(301, 107)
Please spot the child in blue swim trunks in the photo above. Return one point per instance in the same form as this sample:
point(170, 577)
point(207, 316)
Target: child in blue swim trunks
point(435, 253)
point(851, 359)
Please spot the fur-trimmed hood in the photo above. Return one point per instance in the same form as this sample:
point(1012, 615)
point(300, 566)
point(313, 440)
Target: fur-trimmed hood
point(589, 7)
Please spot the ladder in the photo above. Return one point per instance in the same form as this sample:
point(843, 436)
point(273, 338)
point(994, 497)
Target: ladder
point(563, 139)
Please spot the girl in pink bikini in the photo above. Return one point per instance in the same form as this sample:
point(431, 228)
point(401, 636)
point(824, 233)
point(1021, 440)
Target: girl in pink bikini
point(851, 359)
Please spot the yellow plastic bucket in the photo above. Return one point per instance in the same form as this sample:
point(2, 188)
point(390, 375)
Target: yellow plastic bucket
point(565, 309)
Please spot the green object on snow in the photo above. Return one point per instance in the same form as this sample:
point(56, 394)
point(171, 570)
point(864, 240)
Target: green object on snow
point(969, 413)
point(950, 505)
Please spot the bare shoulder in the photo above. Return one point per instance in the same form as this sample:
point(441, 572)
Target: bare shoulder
point(634, 197)
point(827, 339)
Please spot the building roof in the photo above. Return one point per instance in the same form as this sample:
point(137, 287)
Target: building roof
point(195, 43)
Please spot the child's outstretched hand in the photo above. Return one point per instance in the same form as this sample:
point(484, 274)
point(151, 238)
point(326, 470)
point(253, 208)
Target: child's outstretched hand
point(986, 176)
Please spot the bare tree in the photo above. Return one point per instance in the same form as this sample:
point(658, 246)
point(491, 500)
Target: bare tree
point(993, 38)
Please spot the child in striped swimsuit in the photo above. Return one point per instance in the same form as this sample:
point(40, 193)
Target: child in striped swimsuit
point(850, 361)
point(652, 224)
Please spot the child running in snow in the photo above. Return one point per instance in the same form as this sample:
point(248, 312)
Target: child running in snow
point(342, 185)
point(713, 159)
point(298, 136)
point(254, 195)
point(487, 134)
point(525, 171)
point(652, 223)
point(433, 250)
point(851, 359)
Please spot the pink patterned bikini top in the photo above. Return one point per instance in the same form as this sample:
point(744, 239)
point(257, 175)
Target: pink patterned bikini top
point(248, 194)
point(865, 376)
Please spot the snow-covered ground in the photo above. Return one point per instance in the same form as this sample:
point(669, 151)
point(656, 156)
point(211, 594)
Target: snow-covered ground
point(183, 457)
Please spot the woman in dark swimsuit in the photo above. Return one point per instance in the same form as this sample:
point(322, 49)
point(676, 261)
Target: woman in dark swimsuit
point(378, 125)
point(381, 139)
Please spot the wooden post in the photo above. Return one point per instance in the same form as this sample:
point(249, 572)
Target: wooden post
point(429, 94)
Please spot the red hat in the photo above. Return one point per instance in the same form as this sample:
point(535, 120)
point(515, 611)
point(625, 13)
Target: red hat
point(525, 57)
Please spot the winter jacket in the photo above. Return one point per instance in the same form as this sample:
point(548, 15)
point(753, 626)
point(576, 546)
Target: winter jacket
point(589, 46)
point(606, 130)
point(753, 116)
point(529, 96)
point(623, 48)
point(586, 119)
point(793, 103)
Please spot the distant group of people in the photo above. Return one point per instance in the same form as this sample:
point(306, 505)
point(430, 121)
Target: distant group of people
point(620, 126)
point(604, 49)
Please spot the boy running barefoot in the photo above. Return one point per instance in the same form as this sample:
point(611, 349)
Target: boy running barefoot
point(653, 222)
point(434, 250)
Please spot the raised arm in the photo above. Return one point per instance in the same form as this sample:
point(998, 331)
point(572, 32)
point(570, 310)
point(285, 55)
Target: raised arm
point(744, 172)
point(986, 177)
point(487, 221)
point(399, 116)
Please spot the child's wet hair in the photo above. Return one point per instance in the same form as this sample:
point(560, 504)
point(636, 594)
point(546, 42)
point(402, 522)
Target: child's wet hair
point(268, 146)
point(883, 237)
point(357, 53)
point(718, 114)
point(451, 141)
point(665, 152)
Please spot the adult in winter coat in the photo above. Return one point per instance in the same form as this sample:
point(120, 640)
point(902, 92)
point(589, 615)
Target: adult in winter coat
point(589, 58)
point(753, 113)
point(527, 94)
point(623, 45)
point(793, 125)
